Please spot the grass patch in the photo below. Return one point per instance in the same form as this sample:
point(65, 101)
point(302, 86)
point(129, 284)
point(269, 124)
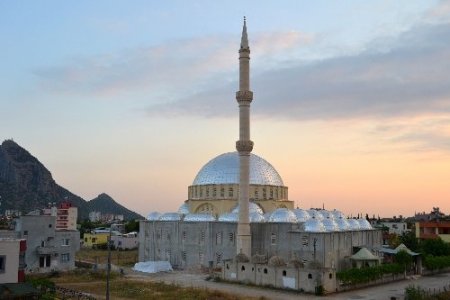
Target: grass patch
point(94, 283)
point(119, 258)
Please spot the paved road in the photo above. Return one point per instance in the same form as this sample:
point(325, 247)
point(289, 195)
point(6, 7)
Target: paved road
point(381, 292)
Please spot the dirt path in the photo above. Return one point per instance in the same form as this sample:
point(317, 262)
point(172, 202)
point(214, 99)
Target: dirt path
point(386, 291)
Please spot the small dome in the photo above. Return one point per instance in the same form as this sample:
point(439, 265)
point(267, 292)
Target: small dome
point(234, 217)
point(314, 225)
point(153, 216)
point(276, 261)
point(224, 169)
point(326, 214)
point(364, 224)
point(301, 214)
point(314, 213)
point(170, 217)
point(282, 215)
point(228, 217)
point(252, 207)
point(354, 224)
point(343, 224)
point(337, 214)
point(199, 218)
point(184, 209)
point(256, 217)
point(330, 224)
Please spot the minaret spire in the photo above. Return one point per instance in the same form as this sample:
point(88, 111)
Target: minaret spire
point(244, 38)
point(244, 146)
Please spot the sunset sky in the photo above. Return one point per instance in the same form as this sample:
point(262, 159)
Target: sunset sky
point(131, 98)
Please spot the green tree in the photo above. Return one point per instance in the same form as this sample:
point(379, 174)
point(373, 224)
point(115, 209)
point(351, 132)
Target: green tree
point(132, 225)
point(404, 259)
point(435, 247)
point(409, 240)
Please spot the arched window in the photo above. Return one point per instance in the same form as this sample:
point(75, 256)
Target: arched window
point(206, 208)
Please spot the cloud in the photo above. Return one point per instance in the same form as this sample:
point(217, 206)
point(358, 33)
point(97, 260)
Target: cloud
point(172, 69)
point(406, 79)
point(429, 133)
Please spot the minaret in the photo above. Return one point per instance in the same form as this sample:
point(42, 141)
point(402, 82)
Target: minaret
point(244, 145)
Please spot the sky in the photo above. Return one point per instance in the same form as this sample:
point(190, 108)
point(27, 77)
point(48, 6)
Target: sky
point(131, 98)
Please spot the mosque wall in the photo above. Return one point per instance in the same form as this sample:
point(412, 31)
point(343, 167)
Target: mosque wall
point(196, 244)
point(304, 279)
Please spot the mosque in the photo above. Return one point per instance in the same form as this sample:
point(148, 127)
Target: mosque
point(238, 217)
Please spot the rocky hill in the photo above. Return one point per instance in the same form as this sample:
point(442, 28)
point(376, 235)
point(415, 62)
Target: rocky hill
point(25, 185)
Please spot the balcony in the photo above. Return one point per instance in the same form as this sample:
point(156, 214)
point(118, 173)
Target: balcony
point(46, 250)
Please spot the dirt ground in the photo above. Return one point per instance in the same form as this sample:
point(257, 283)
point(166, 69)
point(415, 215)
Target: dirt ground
point(386, 291)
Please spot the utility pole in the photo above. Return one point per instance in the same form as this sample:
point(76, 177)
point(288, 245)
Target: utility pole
point(108, 268)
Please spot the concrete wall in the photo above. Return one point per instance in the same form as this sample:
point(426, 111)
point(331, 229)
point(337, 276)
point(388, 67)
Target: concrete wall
point(285, 277)
point(57, 247)
point(194, 244)
point(9, 251)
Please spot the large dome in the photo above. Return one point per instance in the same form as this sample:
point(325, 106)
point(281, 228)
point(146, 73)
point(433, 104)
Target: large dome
point(224, 169)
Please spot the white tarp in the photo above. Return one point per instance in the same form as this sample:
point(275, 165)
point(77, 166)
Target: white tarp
point(153, 266)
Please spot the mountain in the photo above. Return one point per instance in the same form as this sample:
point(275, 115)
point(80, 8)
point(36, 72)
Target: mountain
point(26, 184)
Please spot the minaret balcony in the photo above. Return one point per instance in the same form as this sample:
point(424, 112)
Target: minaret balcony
point(244, 146)
point(244, 96)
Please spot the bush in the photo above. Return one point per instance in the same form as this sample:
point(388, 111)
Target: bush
point(414, 293)
point(355, 275)
point(436, 262)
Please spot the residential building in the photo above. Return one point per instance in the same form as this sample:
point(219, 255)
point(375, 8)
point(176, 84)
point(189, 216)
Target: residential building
point(66, 215)
point(433, 229)
point(48, 249)
point(12, 260)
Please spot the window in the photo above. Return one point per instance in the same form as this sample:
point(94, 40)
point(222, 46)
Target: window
point(201, 192)
point(2, 263)
point(200, 258)
point(242, 268)
point(218, 258)
point(265, 271)
point(256, 194)
point(219, 238)
point(231, 237)
point(284, 272)
point(44, 261)
point(214, 192)
point(330, 275)
point(207, 192)
point(273, 238)
point(183, 235)
point(310, 276)
point(202, 236)
point(271, 193)
point(230, 192)
point(65, 242)
point(305, 241)
point(49, 225)
point(25, 232)
point(264, 193)
point(222, 192)
point(183, 255)
point(85, 239)
point(65, 257)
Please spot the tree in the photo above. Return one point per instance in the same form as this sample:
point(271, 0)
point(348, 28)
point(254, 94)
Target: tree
point(404, 259)
point(132, 225)
point(435, 247)
point(409, 240)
